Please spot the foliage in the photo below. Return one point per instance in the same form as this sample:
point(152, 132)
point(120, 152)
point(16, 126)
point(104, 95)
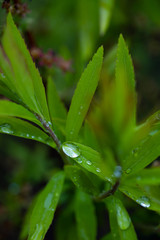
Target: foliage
point(101, 164)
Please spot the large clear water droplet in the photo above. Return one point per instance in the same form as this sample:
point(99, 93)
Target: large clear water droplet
point(143, 201)
point(123, 218)
point(89, 163)
point(48, 201)
point(6, 128)
point(70, 150)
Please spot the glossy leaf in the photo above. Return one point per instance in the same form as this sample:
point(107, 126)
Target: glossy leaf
point(146, 196)
point(85, 217)
point(120, 222)
point(107, 237)
point(20, 128)
point(124, 88)
point(25, 74)
point(87, 158)
point(12, 109)
point(81, 180)
point(143, 154)
point(45, 207)
point(105, 12)
point(148, 176)
point(83, 95)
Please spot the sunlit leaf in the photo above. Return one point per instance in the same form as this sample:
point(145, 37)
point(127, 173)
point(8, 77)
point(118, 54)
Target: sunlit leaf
point(146, 196)
point(88, 158)
point(81, 180)
point(120, 222)
point(20, 128)
point(85, 217)
point(45, 207)
point(105, 12)
point(83, 95)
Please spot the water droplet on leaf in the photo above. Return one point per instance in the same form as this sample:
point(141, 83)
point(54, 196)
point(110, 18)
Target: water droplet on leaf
point(98, 170)
point(89, 163)
point(38, 233)
point(123, 218)
point(143, 201)
point(6, 128)
point(70, 150)
point(128, 170)
point(118, 171)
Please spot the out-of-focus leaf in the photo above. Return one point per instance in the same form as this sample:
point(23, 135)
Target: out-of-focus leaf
point(83, 95)
point(142, 154)
point(120, 222)
point(81, 180)
point(149, 176)
point(105, 12)
point(25, 76)
point(66, 218)
point(89, 137)
point(146, 196)
point(85, 217)
point(45, 207)
point(88, 26)
point(12, 109)
point(87, 158)
point(20, 128)
point(107, 237)
point(125, 99)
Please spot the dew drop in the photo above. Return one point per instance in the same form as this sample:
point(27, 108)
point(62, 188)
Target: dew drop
point(89, 163)
point(143, 201)
point(128, 170)
point(98, 170)
point(6, 128)
point(79, 160)
point(27, 135)
point(70, 150)
point(123, 218)
point(135, 152)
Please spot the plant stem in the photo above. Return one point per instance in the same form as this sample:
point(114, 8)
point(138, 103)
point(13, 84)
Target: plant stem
point(108, 193)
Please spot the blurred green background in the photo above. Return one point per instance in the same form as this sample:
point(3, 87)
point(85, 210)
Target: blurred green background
point(72, 30)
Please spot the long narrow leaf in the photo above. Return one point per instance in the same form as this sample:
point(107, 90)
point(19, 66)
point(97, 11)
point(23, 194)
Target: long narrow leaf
point(83, 95)
point(85, 217)
point(45, 207)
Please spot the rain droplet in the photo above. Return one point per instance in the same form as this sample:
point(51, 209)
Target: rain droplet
point(6, 128)
point(79, 160)
point(143, 201)
point(70, 150)
point(27, 135)
point(89, 163)
point(128, 170)
point(123, 218)
point(135, 152)
point(98, 170)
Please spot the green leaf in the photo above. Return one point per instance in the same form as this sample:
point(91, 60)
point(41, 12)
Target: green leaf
point(107, 237)
point(85, 217)
point(149, 176)
point(125, 99)
point(25, 77)
point(143, 154)
point(120, 222)
point(45, 207)
point(81, 180)
point(12, 109)
point(87, 158)
point(20, 128)
point(105, 12)
point(146, 196)
point(83, 95)
point(89, 137)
